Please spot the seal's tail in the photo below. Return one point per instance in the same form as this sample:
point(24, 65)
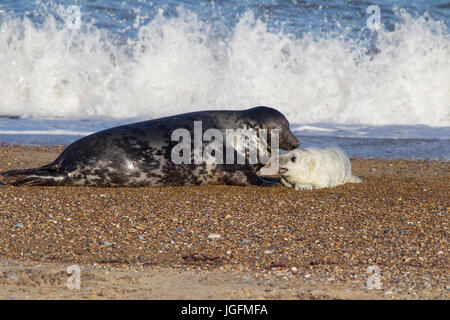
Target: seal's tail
point(33, 177)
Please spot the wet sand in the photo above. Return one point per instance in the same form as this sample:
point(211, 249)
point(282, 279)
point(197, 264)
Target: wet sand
point(228, 242)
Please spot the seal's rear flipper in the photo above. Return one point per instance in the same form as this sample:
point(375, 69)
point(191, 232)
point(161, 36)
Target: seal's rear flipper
point(33, 177)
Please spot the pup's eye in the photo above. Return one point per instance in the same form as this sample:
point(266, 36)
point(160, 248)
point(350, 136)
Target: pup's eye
point(293, 159)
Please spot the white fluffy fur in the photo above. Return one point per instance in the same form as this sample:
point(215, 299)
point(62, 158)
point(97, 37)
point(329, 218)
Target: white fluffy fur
point(308, 169)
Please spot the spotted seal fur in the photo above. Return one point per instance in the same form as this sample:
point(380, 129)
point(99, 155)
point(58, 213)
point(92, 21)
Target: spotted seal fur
point(139, 154)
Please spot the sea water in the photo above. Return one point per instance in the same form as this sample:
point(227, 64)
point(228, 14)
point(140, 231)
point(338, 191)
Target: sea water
point(71, 68)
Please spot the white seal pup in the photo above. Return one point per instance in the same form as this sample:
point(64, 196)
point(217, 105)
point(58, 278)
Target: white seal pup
point(307, 169)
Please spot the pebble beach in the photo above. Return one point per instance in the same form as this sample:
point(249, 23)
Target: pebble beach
point(245, 242)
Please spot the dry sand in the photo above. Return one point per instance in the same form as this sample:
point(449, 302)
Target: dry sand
point(227, 242)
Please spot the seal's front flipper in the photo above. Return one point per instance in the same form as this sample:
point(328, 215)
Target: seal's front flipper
point(45, 176)
point(255, 180)
point(246, 178)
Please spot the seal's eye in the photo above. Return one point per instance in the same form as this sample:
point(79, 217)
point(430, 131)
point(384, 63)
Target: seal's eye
point(293, 159)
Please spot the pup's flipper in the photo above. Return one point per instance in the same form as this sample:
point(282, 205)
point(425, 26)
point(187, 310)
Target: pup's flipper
point(303, 186)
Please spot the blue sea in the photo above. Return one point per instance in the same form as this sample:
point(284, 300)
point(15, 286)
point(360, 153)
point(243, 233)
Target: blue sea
point(371, 77)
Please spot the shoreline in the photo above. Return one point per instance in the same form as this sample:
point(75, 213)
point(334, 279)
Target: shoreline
point(355, 147)
point(274, 243)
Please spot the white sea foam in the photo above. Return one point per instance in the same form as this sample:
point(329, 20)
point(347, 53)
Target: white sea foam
point(179, 65)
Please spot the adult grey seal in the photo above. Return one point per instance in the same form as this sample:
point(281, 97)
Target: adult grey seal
point(141, 154)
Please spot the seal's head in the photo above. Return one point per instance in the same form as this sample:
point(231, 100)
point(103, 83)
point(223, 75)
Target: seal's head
point(293, 163)
point(273, 119)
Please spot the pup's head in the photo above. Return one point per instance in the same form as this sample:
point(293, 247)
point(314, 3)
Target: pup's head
point(287, 161)
point(294, 163)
